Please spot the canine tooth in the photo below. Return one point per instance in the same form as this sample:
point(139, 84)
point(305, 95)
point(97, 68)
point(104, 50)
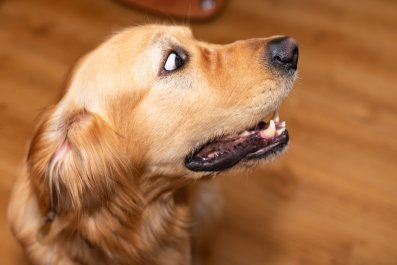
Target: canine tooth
point(282, 124)
point(245, 133)
point(270, 131)
point(276, 117)
point(280, 131)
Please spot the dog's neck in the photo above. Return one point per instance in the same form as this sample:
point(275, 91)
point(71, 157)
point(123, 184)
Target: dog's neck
point(120, 233)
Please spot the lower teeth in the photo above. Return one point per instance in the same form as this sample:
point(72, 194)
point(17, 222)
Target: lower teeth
point(270, 131)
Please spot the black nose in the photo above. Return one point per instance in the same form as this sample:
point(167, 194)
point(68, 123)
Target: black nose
point(283, 53)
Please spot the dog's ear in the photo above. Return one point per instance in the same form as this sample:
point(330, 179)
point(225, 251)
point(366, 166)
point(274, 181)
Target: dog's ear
point(75, 162)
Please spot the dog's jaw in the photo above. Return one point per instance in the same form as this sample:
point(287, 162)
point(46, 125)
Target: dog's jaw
point(264, 140)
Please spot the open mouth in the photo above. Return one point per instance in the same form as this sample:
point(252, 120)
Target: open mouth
point(264, 140)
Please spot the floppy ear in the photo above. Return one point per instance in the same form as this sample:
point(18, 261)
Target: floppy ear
point(75, 162)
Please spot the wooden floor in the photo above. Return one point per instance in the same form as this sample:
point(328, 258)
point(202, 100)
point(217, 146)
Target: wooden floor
point(331, 199)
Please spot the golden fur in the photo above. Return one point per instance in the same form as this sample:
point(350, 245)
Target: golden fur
point(104, 180)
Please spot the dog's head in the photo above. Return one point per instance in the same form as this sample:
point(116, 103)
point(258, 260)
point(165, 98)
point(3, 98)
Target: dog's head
point(152, 100)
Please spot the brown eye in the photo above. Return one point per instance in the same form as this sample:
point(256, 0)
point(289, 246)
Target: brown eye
point(173, 62)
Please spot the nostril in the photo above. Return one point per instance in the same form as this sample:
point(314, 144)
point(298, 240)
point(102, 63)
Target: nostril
point(277, 58)
point(282, 60)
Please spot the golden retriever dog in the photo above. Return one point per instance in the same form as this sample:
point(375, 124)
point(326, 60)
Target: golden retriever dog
point(112, 172)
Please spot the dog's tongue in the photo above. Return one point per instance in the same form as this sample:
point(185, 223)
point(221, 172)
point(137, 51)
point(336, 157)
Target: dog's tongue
point(228, 151)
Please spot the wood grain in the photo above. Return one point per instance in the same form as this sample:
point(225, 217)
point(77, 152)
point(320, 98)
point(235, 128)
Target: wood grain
point(331, 199)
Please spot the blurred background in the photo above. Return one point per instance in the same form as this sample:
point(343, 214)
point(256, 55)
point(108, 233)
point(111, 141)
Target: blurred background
point(331, 199)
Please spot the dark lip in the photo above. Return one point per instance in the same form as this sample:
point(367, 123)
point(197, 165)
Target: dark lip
point(275, 147)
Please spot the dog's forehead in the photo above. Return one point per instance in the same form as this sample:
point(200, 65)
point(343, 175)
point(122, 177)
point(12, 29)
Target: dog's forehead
point(147, 37)
point(155, 32)
point(167, 34)
point(173, 30)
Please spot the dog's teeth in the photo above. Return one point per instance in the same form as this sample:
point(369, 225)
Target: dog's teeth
point(276, 117)
point(280, 131)
point(245, 133)
point(282, 124)
point(270, 131)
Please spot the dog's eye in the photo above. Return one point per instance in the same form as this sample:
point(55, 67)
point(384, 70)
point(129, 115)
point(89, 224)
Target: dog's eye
point(174, 61)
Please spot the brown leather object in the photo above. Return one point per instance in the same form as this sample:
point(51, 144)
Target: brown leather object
point(183, 9)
